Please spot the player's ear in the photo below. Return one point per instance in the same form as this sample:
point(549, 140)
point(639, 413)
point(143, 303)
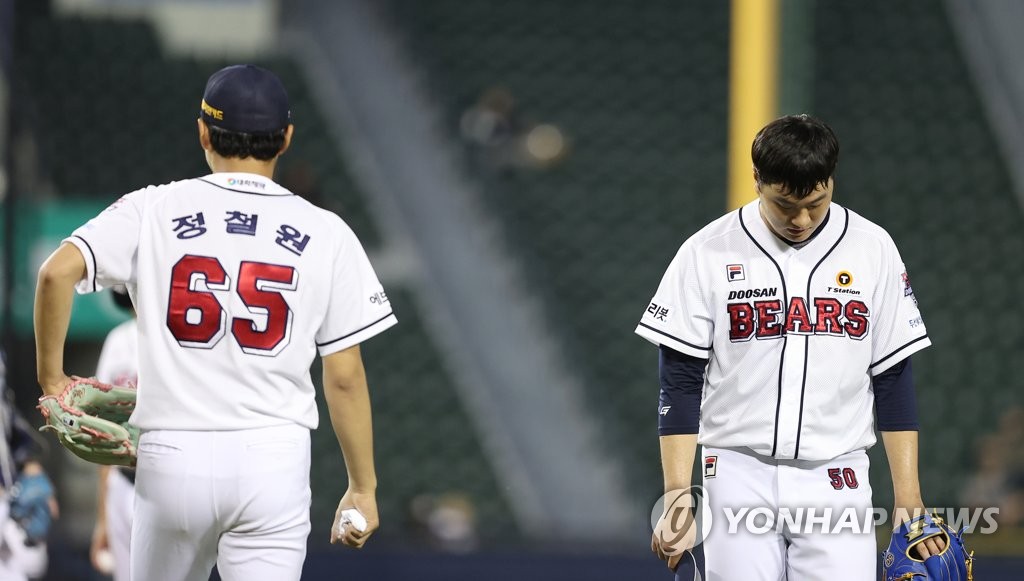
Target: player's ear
point(287, 138)
point(204, 135)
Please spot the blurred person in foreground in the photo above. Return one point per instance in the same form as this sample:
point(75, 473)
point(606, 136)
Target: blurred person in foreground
point(111, 538)
point(238, 283)
point(27, 502)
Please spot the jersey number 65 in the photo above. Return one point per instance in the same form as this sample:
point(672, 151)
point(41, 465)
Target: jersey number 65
point(197, 319)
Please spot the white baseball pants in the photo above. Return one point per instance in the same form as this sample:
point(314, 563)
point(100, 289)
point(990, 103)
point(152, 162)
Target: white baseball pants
point(775, 520)
point(238, 498)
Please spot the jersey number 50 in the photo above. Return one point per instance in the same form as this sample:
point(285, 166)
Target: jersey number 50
point(197, 319)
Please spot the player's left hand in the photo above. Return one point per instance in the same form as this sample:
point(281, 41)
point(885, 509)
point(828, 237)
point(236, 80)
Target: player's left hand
point(346, 529)
point(90, 419)
point(928, 547)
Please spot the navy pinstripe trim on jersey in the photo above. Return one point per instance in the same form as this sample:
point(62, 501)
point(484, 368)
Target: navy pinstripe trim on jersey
point(677, 339)
point(908, 344)
point(807, 343)
point(246, 191)
point(91, 255)
point(803, 390)
point(360, 330)
point(778, 399)
point(785, 339)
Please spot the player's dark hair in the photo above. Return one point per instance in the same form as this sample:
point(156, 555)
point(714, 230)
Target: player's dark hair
point(262, 146)
point(797, 152)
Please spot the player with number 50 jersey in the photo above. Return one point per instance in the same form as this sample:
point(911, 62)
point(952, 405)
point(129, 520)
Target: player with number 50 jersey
point(784, 328)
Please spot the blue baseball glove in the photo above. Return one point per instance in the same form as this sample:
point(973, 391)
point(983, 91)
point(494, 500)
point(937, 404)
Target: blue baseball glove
point(899, 563)
point(30, 506)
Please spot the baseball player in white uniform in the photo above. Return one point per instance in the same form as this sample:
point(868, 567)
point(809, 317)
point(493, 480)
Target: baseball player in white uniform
point(117, 365)
point(782, 326)
point(238, 284)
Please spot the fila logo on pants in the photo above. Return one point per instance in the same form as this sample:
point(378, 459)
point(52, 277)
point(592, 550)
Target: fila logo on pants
point(824, 316)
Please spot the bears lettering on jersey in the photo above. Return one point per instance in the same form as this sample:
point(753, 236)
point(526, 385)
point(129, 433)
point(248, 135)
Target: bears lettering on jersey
point(767, 319)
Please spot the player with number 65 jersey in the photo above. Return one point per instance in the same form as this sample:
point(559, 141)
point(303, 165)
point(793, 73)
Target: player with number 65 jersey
point(246, 282)
point(238, 284)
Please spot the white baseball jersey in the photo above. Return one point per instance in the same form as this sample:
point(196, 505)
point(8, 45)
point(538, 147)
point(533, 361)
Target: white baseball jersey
point(119, 358)
point(237, 282)
point(792, 335)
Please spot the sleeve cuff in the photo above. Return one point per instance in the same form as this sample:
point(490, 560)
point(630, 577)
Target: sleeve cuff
point(900, 354)
point(88, 283)
point(676, 431)
point(358, 336)
point(911, 427)
point(662, 338)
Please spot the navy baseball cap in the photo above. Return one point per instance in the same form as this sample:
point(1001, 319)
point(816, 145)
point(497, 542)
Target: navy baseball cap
point(245, 99)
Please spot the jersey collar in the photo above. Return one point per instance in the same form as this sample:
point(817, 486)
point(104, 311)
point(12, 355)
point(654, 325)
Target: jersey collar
point(246, 183)
point(829, 233)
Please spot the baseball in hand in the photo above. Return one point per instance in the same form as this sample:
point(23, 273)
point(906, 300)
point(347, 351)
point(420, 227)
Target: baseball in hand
point(352, 517)
point(105, 562)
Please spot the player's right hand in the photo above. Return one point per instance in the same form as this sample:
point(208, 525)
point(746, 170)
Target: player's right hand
point(346, 533)
point(99, 544)
point(675, 533)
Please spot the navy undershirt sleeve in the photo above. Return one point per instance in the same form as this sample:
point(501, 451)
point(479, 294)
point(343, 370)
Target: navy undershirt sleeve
point(895, 401)
point(682, 382)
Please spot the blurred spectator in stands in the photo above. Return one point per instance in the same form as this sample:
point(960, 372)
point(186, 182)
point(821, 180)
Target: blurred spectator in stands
point(1011, 513)
point(448, 521)
point(500, 138)
point(492, 121)
point(999, 478)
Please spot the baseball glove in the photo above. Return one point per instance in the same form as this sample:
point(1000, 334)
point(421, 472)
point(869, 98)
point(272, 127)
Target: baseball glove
point(91, 419)
point(954, 563)
point(30, 506)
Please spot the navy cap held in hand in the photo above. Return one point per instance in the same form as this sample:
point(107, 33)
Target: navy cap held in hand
point(246, 99)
